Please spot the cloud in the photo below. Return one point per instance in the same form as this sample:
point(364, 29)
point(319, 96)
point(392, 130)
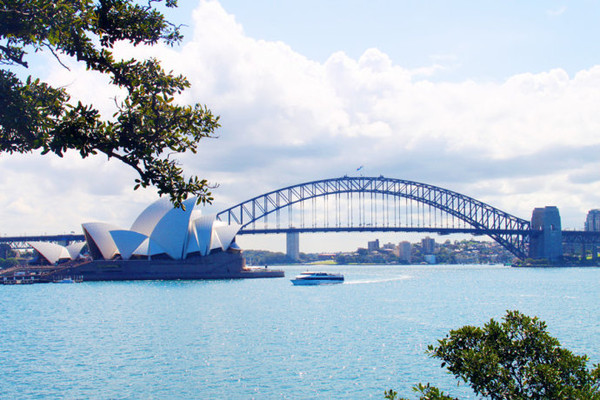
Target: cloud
point(555, 12)
point(524, 142)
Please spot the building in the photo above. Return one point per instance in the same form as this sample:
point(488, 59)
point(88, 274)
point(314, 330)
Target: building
point(592, 222)
point(405, 251)
point(389, 246)
point(428, 245)
point(373, 245)
point(430, 258)
point(326, 256)
point(159, 232)
point(164, 243)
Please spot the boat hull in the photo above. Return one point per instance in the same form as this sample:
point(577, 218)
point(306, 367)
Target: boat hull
point(314, 283)
point(311, 282)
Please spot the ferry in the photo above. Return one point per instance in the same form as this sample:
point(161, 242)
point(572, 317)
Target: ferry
point(317, 278)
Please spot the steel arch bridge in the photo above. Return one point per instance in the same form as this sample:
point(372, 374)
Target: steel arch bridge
point(351, 204)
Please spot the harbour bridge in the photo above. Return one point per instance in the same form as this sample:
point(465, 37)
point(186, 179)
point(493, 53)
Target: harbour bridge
point(379, 204)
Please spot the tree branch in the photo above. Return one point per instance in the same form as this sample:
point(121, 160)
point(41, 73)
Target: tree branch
point(49, 47)
point(9, 53)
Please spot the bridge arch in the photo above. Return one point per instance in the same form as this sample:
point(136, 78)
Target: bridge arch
point(483, 219)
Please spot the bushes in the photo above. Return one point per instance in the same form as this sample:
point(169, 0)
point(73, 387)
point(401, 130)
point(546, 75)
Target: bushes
point(512, 359)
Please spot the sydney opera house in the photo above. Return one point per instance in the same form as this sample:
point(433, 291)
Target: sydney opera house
point(163, 243)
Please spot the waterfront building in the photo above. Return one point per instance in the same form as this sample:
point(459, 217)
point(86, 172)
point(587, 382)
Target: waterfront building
point(373, 245)
point(405, 251)
point(429, 258)
point(159, 232)
point(389, 246)
point(164, 243)
point(326, 256)
point(428, 245)
point(592, 222)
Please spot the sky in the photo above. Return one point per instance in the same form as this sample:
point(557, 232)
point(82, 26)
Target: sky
point(495, 100)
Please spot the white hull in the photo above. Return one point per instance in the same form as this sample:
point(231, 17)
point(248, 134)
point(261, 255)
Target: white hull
point(317, 278)
point(307, 282)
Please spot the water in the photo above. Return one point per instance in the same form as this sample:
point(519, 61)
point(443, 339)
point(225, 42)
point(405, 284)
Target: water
point(267, 339)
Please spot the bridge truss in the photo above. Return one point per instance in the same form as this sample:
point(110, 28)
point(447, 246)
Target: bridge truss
point(376, 204)
point(21, 242)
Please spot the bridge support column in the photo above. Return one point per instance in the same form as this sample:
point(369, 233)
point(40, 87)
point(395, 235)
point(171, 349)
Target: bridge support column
point(546, 238)
point(293, 245)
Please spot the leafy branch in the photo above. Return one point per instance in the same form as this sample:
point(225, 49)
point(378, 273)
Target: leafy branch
point(148, 126)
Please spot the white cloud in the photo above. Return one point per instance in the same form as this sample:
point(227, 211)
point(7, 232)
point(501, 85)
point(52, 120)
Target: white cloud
point(555, 12)
point(517, 144)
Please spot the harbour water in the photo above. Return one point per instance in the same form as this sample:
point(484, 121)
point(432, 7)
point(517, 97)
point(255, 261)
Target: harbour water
point(268, 339)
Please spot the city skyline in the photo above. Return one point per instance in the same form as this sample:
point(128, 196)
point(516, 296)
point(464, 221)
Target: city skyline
point(497, 102)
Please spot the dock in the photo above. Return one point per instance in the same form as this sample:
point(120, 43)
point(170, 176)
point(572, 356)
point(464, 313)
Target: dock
point(30, 274)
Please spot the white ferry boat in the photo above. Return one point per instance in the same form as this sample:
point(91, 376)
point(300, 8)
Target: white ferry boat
point(317, 278)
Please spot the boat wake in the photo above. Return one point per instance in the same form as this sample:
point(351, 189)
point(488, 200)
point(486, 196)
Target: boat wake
point(367, 281)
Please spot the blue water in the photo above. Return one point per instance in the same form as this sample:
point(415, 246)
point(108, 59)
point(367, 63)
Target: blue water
point(267, 339)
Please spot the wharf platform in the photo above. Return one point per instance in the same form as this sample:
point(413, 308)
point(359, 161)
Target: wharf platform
point(30, 274)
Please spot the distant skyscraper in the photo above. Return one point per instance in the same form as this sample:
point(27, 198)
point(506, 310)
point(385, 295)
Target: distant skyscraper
point(592, 222)
point(428, 245)
point(373, 246)
point(404, 251)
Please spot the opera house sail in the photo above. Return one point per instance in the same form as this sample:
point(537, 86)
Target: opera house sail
point(163, 243)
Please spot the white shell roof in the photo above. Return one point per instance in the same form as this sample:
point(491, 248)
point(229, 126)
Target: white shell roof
point(100, 234)
point(203, 227)
point(74, 249)
point(192, 240)
point(196, 213)
point(161, 228)
point(127, 242)
point(147, 220)
point(51, 251)
point(149, 248)
point(215, 242)
point(226, 233)
point(166, 225)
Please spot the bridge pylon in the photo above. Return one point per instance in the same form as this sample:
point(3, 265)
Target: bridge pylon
point(293, 245)
point(546, 234)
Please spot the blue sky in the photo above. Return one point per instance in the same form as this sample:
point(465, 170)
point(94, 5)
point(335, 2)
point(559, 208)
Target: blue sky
point(474, 40)
point(496, 100)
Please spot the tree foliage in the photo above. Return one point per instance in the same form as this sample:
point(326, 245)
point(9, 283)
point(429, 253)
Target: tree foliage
point(147, 127)
point(513, 359)
point(427, 392)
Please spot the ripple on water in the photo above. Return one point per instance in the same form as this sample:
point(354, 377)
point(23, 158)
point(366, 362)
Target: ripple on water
point(267, 339)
